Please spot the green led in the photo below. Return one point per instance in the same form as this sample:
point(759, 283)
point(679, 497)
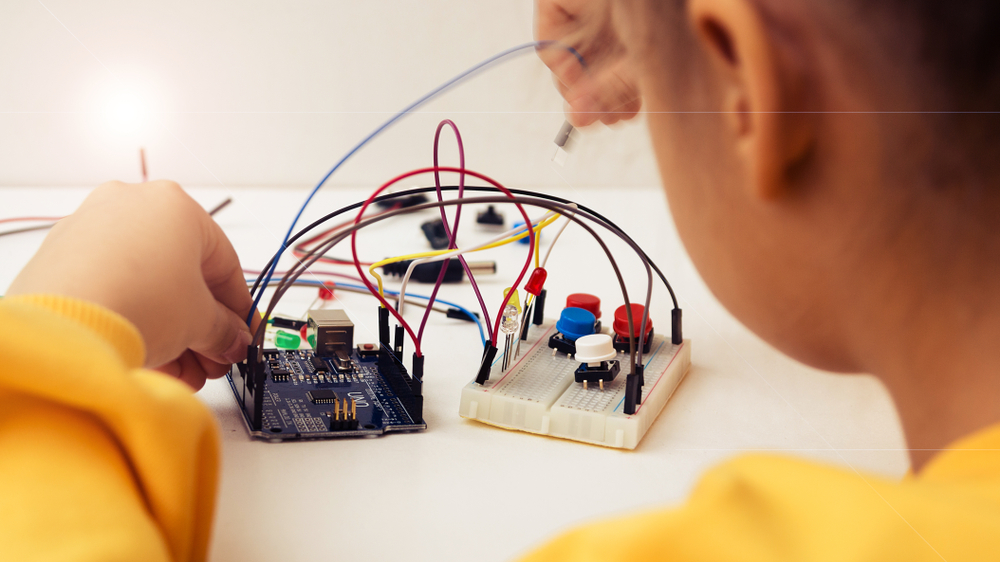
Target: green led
point(284, 340)
point(312, 340)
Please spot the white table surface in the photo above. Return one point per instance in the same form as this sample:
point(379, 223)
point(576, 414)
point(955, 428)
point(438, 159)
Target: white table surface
point(463, 490)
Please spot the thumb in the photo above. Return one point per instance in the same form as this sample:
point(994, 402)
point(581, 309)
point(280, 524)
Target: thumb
point(608, 95)
point(226, 338)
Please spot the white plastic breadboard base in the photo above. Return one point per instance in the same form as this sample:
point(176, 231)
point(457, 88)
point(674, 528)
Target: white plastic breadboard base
point(539, 394)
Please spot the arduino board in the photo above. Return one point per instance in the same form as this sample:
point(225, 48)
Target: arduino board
point(338, 390)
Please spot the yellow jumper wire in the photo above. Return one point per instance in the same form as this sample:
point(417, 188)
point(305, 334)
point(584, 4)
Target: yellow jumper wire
point(496, 244)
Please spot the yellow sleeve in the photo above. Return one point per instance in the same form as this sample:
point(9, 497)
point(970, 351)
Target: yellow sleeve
point(100, 460)
point(768, 508)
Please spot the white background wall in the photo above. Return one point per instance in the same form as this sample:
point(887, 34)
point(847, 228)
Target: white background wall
point(267, 92)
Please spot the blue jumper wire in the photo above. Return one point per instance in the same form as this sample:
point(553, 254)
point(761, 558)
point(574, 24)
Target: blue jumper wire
point(392, 120)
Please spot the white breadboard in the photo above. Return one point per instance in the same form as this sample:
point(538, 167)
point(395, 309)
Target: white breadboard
point(539, 394)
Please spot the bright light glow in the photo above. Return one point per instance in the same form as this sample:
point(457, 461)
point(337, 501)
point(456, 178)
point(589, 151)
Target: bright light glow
point(125, 113)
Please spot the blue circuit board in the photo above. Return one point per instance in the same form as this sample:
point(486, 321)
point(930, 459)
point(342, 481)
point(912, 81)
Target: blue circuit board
point(304, 396)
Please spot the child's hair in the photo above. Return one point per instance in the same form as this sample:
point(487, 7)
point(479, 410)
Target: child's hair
point(951, 51)
point(945, 54)
point(957, 42)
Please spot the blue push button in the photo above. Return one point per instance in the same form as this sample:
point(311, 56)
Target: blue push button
point(526, 238)
point(575, 323)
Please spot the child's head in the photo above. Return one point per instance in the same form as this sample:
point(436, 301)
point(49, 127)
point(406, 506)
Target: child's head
point(814, 164)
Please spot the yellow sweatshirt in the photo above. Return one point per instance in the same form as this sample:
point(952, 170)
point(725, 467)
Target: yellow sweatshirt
point(101, 460)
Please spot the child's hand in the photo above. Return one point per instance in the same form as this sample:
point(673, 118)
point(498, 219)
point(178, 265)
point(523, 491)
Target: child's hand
point(151, 254)
point(606, 90)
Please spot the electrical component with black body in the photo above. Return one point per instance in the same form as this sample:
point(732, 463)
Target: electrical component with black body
point(280, 322)
point(573, 323)
point(596, 355)
point(367, 350)
point(322, 396)
point(319, 365)
point(490, 217)
point(428, 272)
point(435, 233)
point(620, 326)
point(460, 314)
point(402, 202)
point(344, 415)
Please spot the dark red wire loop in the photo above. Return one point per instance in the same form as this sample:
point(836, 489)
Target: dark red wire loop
point(390, 183)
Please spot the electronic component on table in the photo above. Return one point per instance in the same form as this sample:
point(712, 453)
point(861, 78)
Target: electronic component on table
point(459, 314)
point(428, 272)
point(526, 239)
point(334, 336)
point(326, 291)
point(345, 411)
point(596, 355)
point(573, 323)
point(539, 394)
point(588, 302)
point(490, 218)
point(322, 396)
point(402, 202)
point(435, 233)
point(305, 394)
point(620, 326)
point(509, 324)
point(281, 322)
point(285, 340)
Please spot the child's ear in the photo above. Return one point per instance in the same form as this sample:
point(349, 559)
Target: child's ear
point(763, 96)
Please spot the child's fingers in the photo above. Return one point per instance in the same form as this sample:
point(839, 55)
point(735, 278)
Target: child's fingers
point(186, 368)
point(211, 369)
point(224, 337)
point(221, 269)
point(609, 96)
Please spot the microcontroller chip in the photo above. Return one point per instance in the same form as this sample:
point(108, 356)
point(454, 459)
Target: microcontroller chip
point(322, 396)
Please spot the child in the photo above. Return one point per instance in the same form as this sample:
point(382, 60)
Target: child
point(831, 168)
point(823, 194)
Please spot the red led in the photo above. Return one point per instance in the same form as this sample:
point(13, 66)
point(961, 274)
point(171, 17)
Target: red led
point(586, 302)
point(304, 332)
point(621, 320)
point(536, 281)
point(326, 291)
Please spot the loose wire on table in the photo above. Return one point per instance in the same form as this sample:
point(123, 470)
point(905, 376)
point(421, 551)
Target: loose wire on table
point(294, 273)
point(53, 220)
point(567, 206)
point(531, 298)
point(508, 237)
point(635, 355)
point(300, 249)
point(589, 212)
point(451, 233)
